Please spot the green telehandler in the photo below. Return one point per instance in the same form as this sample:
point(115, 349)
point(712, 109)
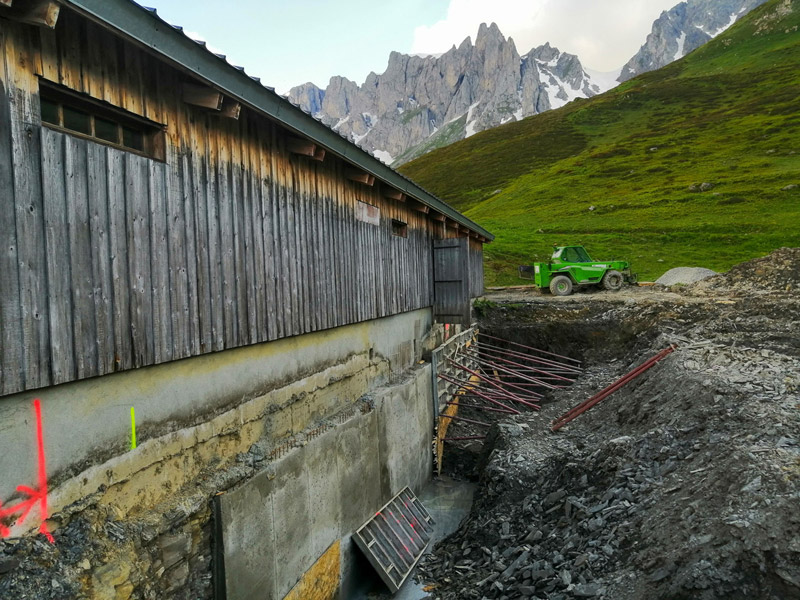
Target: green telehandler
point(571, 266)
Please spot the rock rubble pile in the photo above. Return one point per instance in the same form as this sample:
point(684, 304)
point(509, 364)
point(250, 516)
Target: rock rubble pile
point(777, 272)
point(683, 484)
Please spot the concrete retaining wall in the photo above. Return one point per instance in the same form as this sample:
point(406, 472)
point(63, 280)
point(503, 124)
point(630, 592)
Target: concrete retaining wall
point(279, 523)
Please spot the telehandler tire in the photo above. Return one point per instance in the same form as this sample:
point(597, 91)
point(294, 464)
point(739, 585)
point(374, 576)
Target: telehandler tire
point(612, 280)
point(561, 285)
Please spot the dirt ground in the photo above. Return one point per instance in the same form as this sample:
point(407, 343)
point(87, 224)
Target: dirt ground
point(683, 484)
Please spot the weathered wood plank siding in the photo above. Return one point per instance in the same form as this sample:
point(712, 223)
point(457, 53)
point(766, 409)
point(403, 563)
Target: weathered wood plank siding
point(476, 268)
point(111, 261)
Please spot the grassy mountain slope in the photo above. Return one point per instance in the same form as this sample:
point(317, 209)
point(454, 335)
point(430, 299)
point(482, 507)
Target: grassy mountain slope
point(728, 114)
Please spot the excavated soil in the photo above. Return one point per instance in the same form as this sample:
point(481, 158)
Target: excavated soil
point(681, 485)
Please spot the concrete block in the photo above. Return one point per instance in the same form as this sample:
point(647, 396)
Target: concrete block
point(325, 492)
point(293, 549)
point(405, 417)
point(249, 540)
point(358, 464)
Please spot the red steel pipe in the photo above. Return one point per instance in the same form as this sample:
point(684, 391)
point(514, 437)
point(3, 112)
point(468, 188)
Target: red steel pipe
point(529, 358)
point(511, 396)
point(457, 418)
point(477, 407)
point(498, 356)
point(492, 393)
point(486, 335)
point(476, 392)
point(514, 373)
point(605, 393)
point(620, 382)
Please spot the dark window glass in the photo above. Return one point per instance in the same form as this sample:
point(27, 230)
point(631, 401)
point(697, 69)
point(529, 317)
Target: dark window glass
point(106, 130)
point(399, 228)
point(67, 110)
point(582, 255)
point(77, 120)
point(132, 139)
point(50, 112)
point(570, 255)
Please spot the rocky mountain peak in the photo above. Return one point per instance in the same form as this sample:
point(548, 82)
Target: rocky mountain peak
point(489, 33)
point(423, 102)
point(420, 103)
point(683, 28)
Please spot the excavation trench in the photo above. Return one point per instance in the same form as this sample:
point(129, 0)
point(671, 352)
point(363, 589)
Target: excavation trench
point(680, 484)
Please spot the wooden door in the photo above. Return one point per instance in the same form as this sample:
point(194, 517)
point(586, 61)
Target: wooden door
point(451, 281)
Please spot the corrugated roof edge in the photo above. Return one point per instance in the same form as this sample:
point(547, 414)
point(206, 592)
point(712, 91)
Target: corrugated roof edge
point(144, 26)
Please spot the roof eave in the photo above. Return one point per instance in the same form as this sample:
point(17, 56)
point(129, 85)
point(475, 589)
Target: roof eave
point(168, 42)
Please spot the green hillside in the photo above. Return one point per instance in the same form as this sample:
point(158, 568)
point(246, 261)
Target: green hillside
point(727, 115)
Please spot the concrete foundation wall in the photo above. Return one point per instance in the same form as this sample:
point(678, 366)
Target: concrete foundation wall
point(276, 525)
point(217, 404)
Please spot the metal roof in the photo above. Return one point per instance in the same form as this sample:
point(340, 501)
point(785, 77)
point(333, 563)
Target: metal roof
point(143, 26)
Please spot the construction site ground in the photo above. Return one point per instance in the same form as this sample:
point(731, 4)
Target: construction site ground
point(684, 484)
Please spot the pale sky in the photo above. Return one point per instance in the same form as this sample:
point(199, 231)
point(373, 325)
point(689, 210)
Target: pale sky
point(289, 42)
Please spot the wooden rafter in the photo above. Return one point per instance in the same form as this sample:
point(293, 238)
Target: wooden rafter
point(437, 216)
point(301, 146)
point(319, 154)
point(43, 13)
point(230, 108)
point(359, 176)
point(203, 96)
point(305, 147)
point(393, 194)
point(418, 206)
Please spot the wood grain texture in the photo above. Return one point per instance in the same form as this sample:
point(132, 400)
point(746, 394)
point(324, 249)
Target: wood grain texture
point(111, 261)
point(11, 366)
point(29, 219)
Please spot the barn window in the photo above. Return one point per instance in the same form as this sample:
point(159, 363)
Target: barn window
point(399, 228)
point(73, 113)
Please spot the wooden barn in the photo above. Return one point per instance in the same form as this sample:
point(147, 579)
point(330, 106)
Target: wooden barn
point(177, 238)
point(158, 203)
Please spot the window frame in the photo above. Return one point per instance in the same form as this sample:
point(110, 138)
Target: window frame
point(399, 228)
point(153, 134)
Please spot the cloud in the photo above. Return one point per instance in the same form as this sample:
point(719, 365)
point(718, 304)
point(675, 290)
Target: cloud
point(603, 33)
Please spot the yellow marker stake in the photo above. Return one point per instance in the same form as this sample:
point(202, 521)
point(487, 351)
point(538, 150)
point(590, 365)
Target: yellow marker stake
point(133, 429)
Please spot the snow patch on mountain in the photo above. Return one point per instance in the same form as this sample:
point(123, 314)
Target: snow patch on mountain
point(681, 44)
point(470, 131)
point(603, 80)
